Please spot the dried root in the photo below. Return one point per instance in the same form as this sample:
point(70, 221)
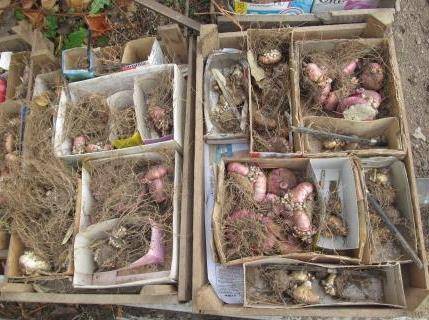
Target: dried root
point(41, 196)
point(87, 122)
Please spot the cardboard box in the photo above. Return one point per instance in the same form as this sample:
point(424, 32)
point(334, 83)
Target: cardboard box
point(282, 37)
point(291, 7)
point(241, 22)
point(392, 85)
point(403, 202)
point(390, 278)
point(223, 60)
point(136, 53)
point(388, 128)
point(339, 170)
point(70, 59)
point(205, 298)
point(84, 275)
point(106, 86)
point(145, 50)
point(150, 81)
point(335, 5)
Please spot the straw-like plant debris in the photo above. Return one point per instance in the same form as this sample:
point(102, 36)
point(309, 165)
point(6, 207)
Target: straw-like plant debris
point(87, 123)
point(288, 285)
point(349, 81)
point(334, 225)
point(41, 196)
point(265, 212)
point(123, 123)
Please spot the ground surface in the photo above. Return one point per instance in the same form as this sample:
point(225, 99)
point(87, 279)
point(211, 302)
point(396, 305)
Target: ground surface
point(411, 31)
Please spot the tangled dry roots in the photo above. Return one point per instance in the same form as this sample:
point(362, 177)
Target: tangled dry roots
point(89, 117)
point(118, 193)
point(123, 123)
point(39, 132)
point(41, 196)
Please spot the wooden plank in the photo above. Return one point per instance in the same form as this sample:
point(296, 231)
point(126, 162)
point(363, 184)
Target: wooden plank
point(158, 289)
point(199, 272)
point(208, 40)
point(25, 31)
point(175, 42)
point(185, 260)
point(16, 248)
point(16, 288)
point(13, 43)
point(115, 299)
point(3, 253)
point(42, 50)
point(170, 13)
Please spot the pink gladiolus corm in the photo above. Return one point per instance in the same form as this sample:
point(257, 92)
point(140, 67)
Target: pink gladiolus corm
point(350, 68)
point(236, 167)
point(280, 181)
point(300, 193)
point(156, 189)
point(156, 252)
point(260, 187)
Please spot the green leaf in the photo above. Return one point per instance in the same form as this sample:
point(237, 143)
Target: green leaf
point(98, 5)
point(76, 38)
point(51, 26)
point(102, 41)
point(19, 15)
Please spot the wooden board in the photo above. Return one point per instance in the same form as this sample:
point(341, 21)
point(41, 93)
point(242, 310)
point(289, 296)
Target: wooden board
point(170, 13)
point(185, 253)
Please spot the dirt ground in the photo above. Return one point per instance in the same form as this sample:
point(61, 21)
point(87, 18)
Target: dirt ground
point(411, 30)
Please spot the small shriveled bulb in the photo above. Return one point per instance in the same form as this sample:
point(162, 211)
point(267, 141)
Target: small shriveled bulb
point(272, 56)
point(328, 285)
point(336, 225)
point(382, 178)
point(304, 294)
point(333, 144)
point(300, 275)
point(31, 263)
